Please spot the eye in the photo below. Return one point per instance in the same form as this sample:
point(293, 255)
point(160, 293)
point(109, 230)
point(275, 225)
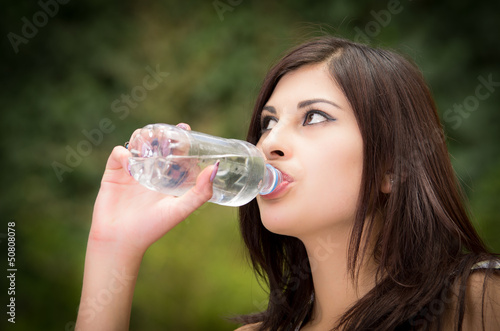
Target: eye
point(268, 122)
point(316, 116)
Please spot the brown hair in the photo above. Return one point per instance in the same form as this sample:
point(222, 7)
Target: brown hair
point(426, 242)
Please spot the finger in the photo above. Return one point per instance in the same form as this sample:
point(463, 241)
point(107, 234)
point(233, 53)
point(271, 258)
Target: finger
point(135, 133)
point(118, 158)
point(184, 126)
point(196, 196)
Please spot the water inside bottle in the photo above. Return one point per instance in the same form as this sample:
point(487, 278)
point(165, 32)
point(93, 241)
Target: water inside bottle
point(237, 182)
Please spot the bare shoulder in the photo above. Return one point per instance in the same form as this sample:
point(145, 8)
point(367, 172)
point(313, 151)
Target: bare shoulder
point(482, 298)
point(249, 327)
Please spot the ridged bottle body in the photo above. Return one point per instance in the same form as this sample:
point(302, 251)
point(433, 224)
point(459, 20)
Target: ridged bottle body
point(168, 159)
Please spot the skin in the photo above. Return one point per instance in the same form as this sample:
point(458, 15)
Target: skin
point(317, 146)
point(322, 156)
point(127, 219)
point(320, 146)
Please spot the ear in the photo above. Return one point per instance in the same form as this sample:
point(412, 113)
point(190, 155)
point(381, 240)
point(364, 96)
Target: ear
point(387, 183)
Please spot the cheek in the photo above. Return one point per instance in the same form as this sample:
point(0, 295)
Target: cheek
point(333, 183)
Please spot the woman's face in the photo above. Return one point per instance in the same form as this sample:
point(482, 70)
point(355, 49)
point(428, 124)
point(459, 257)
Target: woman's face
point(310, 133)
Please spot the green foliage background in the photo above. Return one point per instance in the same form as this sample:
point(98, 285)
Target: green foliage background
point(65, 79)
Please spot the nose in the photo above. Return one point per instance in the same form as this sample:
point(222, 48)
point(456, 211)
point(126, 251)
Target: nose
point(276, 144)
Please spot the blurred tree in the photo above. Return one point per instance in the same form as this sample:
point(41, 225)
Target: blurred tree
point(86, 59)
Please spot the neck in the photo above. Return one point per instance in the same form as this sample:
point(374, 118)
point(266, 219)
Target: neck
point(334, 288)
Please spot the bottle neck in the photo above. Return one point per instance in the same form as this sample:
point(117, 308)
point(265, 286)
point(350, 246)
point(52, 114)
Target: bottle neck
point(272, 178)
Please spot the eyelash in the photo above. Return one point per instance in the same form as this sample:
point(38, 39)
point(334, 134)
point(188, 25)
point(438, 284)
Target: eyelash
point(327, 117)
point(265, 122)
point(266, 119)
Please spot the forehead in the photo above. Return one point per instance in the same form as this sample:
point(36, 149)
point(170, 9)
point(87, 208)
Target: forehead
point(307, 82)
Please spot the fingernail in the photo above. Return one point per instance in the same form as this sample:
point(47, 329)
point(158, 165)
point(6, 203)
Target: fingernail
point(214, 172)
point(128, 167)
point(183, 126)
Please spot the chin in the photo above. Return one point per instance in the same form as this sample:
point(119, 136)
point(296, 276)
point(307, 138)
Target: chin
point(281, 223)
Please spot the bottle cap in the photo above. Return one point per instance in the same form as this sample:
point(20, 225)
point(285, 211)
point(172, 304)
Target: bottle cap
point(272, 179)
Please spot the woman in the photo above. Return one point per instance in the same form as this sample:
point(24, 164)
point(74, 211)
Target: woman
point(368, 230)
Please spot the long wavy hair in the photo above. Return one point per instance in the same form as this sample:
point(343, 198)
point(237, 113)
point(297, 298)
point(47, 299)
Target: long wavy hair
point(426, 242)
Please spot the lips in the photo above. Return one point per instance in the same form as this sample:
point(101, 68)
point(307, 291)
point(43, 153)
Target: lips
point(281, 189)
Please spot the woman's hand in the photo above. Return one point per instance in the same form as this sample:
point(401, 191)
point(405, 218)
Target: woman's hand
point(134, 217)
point(129, 214)
point(127, 219)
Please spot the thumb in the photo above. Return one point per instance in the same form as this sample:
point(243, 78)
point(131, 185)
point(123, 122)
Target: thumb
point(118, 158)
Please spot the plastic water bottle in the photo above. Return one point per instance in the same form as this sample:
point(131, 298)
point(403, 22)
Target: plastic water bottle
point(168, 159)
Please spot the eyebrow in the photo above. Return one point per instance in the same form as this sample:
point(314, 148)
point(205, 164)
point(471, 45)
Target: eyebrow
point(270, 109)
point(303, 104)
point(306, 103)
